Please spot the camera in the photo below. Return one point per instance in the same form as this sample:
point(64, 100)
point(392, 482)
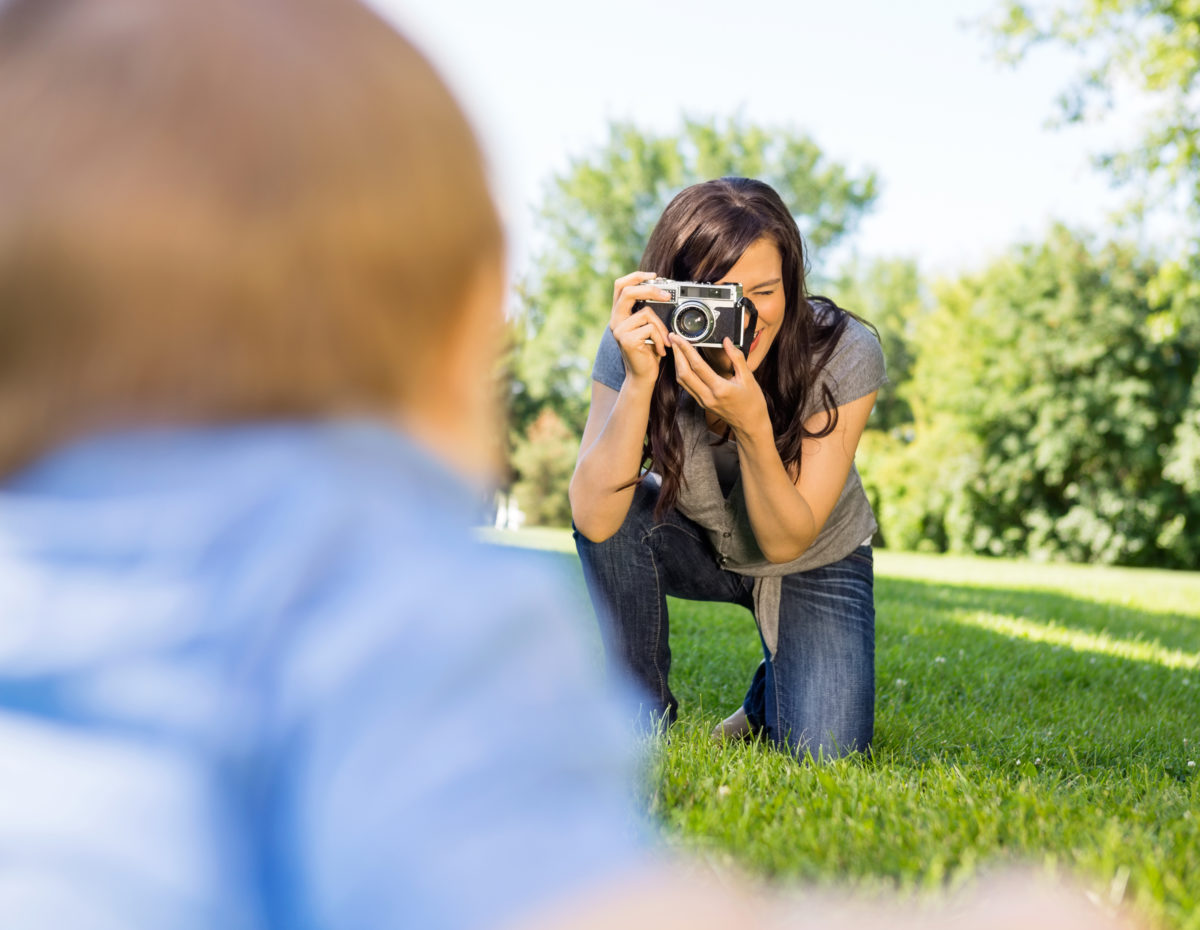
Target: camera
point(704, 314)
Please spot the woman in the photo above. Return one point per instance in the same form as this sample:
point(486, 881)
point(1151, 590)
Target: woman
point(750, 495)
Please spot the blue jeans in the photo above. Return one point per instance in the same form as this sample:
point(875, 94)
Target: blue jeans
point(816, 694)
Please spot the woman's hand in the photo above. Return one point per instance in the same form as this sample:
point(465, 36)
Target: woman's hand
point(738, 400)
point(642, 336)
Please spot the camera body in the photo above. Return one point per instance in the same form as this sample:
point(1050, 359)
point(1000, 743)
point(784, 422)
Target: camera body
point(704, 314)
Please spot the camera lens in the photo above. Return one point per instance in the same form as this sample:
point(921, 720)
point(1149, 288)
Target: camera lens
point(693, 321)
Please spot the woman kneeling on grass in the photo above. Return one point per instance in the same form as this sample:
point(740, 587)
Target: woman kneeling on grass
point(750, 494)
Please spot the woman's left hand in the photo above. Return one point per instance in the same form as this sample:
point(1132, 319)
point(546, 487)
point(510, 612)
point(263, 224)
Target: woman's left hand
point(737, 399)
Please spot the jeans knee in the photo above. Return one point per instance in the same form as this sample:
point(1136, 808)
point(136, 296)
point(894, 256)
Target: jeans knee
point(639, 521)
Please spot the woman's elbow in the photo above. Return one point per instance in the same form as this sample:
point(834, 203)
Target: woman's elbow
point(588, 527)
point(593, 535)
point(780, 554)
point(585, 522)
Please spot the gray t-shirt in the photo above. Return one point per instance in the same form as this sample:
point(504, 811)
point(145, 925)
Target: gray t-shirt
point(855, 368)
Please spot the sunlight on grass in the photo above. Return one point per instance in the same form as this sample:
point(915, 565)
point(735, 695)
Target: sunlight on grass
point(1080, 641)
point(1035, 714)
point(1146, 589)
point(535, 537)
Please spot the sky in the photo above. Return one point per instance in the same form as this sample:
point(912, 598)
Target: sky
point(960, 143)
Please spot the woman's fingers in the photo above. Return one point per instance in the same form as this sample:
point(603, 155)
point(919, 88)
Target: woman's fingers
point(647, 317)
point(635, 277)
point(635, 292)
point(648, 334)
point(652, 319)
point(703, 371)
point(630, 294)
point(687, 377)
point(740, 368)
point(643, 327)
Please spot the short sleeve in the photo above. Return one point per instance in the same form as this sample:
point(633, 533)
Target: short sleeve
point(609, 368)
point(857, 366)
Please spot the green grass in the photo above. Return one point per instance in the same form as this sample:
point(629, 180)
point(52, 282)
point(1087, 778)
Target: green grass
point(1035, 714)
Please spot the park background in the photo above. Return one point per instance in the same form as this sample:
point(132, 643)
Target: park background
point(1008, 196)
point(1011, 197)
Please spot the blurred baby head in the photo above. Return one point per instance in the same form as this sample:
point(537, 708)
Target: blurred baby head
point(233, 210)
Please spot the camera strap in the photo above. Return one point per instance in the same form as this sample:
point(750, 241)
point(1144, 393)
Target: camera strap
point(750, 316)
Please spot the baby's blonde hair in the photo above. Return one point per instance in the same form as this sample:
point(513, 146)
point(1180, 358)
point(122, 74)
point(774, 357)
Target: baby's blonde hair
point(219, 211)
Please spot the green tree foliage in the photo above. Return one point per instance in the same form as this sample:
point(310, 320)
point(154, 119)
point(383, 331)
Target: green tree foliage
point(1045, 409)
point(1153, 47)
point(599, 213)
point(544, 457)
point(890, 295)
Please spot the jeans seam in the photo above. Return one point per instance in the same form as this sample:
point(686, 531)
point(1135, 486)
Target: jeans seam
point(780, 736)
point(658, 606)
point(671, 526)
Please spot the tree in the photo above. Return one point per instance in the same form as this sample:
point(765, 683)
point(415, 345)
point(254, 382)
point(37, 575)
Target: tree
point(1043, 409)
point(890, 295)
point(599, 213)
point(544, 457)
point(1153, 47)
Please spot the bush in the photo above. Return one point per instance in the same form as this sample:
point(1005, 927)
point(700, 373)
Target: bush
point(544, 459)
point(1045, 409)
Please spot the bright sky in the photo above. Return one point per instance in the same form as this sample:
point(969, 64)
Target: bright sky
point(960, 142)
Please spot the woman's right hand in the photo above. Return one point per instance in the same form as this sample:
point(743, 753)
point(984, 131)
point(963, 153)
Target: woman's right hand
point(641, 335)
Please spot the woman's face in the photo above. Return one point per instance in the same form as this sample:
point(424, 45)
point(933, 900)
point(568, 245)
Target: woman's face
point(760, 273)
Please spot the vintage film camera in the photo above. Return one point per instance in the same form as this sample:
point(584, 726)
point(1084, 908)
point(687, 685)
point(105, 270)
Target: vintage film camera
point(704, 314)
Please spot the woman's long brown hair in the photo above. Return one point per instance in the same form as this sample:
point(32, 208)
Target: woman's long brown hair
point(700, 236)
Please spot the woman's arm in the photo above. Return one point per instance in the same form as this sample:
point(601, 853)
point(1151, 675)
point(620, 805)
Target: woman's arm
point(786, 512)
point(610, 456)
point(610, 453)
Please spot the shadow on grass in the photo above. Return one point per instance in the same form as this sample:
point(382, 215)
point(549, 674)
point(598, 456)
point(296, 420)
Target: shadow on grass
point(948, 688)
point(1173, 631)
point(972, 673)
point(1099, 692)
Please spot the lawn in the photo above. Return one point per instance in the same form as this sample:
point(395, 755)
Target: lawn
point(1036, 714)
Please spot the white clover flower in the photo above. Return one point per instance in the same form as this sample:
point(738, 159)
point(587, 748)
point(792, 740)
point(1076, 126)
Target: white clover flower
point(939, 660)
point(1191, 763)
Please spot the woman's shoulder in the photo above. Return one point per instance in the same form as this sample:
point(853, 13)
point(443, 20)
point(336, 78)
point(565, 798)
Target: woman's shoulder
point(856, 362)
point(855, 335)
